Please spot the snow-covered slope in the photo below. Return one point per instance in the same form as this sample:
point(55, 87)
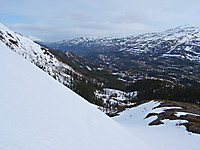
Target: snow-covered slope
point(39, 113)
point(36, 54)
point(168, 136)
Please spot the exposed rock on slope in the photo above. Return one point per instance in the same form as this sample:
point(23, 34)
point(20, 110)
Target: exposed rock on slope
point(38, 55)
point(178, 111)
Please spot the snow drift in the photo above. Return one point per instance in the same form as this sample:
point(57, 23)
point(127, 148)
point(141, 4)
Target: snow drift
point(39, 113)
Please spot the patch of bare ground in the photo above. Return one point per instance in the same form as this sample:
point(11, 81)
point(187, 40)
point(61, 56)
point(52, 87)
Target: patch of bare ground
point(193, 124)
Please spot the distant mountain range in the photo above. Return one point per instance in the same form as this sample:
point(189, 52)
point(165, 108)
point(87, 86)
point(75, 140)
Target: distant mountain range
point(173, 54)
point(182, 42)
point(113, 78)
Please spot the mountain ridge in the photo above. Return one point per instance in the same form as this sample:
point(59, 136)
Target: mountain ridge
point(164, 53)
point(143, 43)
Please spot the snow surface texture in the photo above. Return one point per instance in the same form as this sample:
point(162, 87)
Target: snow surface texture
point(39, 113)
point(168, 136)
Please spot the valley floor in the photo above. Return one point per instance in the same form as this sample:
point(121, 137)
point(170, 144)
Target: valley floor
point(168, 136)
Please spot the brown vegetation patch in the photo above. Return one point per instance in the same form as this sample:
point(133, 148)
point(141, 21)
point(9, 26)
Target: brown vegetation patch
point(193, 124)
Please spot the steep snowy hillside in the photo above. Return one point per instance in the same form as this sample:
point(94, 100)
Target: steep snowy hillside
point(38, 55)
point(170, 135)
point(37, 112)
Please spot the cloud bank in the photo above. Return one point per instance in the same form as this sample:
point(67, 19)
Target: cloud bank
point(56, 20)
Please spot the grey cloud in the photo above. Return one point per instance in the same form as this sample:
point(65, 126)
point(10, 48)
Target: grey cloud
point(52, 33)
point(111, 28)
point(53, 20)
point(32, 27)
point(81, 17)
point(41, 31)
point(130, 17)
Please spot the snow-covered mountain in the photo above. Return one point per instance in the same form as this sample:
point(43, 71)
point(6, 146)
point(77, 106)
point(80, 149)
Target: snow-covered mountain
point(182, 42)
point(37, 112)
point(172, 54)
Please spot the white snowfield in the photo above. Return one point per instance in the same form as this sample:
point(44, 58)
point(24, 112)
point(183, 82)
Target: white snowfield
point(39, 113)
point(168, 136)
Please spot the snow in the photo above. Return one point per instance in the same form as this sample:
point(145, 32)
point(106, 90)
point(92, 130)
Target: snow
point(114, 96)
point(173, 122)
point(100, 69)
point(39, 113)
point(168, 136)
point(88, 68)
point(162, 109)
point(178, 114)
point(38, 55)
point(136, 115)
point(150, 43)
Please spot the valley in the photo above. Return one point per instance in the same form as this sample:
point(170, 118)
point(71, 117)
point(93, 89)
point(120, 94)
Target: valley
point(115, 90)
point(161, 65)
point(99, 75)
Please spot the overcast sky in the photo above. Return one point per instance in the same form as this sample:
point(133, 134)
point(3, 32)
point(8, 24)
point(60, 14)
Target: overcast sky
point(53, 20)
